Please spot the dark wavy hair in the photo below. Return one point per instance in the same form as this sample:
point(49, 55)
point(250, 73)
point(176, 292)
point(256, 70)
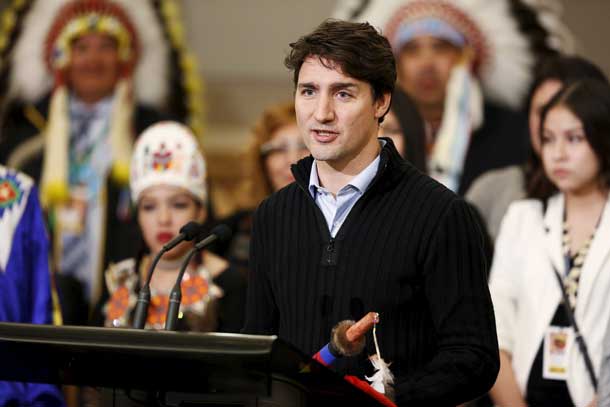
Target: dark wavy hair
point(589, 100)
point(356, 48)
point(565, 69)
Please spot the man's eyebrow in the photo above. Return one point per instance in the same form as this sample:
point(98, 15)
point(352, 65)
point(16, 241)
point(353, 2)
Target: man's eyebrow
point(334, 86)
point(343, 85)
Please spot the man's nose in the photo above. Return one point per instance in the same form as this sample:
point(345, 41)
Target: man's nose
point(324, 112)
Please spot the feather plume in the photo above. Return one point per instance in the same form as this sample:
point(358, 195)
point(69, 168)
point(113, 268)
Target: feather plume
point(383, 378)
point(30, 79)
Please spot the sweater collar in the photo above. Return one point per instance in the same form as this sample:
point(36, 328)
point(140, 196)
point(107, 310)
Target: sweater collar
point(388, 159)
point(360, 182)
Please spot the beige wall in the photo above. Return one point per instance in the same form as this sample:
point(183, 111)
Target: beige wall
point(241, 45)
point(589, 21)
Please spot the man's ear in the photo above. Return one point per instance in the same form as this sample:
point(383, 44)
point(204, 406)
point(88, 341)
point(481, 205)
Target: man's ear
point(382, 104)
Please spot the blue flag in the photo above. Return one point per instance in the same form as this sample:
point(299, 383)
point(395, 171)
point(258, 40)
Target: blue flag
point(25, 278)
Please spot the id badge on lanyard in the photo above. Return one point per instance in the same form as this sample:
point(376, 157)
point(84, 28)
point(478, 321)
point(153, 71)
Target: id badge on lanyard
point(557, 344)
point(558, 341)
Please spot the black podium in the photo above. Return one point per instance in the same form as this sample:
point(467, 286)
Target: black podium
point(136, 367)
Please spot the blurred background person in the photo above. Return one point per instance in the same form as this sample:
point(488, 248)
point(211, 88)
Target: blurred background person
point(552, 245)
point(275, 145)
point(80, 79)
point(26, 289)
point(467, 66)
point(402, 119)
point(168, 187)
point(495, 190)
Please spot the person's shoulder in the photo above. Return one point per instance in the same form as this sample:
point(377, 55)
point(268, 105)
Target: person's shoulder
point(511, 176)
point(496, 110)
point(230, 277)
point(145, 116)
point(421, 187)
point(121, 274)
point(17, 181)
point(524, 211)
point(280, 197)
point(504, 124)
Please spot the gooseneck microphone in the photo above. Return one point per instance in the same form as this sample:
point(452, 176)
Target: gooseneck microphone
point(220, 233)
point(187, 233)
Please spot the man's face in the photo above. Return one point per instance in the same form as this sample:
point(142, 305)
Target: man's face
point(94, 67)
point(424, 66)
point(337, 115)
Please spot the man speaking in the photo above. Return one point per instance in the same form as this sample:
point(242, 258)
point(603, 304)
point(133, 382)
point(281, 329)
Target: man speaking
point(362, 230)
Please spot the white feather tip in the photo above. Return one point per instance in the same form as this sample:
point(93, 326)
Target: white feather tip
point(383, 378)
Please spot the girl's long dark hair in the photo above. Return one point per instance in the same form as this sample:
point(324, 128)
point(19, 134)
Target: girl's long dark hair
point(565, 69)
point(589, 100)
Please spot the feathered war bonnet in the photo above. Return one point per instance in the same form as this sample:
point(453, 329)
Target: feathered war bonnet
point(508, 37)
point(503, 40)
point(73, 21)
point(38, 62)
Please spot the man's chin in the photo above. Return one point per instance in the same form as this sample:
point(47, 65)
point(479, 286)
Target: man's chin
point(324, 155)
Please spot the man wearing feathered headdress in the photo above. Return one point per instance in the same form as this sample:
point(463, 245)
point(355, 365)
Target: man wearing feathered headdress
point(75, 73)
point(467, 64)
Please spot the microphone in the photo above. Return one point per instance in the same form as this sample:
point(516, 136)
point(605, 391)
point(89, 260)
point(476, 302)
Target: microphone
point(188, 232)
point(220, 233)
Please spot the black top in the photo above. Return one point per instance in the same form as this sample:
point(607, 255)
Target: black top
point(501, 141)
point(410, 250)
point(546, 392)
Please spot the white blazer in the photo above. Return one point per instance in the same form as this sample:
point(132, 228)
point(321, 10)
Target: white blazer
point(526, 293)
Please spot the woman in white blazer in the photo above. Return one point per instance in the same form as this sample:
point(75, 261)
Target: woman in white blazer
point(562, 237)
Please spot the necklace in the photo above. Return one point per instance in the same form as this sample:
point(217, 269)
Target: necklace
point(573, 264)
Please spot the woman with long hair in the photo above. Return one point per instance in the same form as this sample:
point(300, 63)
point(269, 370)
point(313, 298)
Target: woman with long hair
point(275, 144)
point(550, 276)
point(495, 190)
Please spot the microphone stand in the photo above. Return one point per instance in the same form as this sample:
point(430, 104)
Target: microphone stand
point(141, 312)
point(187, 232)
point(175, 297)
point(220, 232)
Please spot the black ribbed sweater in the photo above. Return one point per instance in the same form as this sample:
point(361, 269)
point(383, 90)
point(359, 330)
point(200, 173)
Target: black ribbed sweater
point(410, 250)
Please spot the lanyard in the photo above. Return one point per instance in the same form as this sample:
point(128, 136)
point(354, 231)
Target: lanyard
point(580, 340)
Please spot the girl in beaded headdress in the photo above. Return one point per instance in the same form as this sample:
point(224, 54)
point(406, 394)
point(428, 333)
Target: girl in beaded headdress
point(168, 187)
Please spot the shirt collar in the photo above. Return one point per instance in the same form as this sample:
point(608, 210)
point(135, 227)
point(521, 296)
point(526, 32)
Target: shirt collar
point(361, 181)
point(80, 108)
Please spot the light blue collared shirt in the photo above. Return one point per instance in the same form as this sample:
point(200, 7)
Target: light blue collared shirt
point(335, 210)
